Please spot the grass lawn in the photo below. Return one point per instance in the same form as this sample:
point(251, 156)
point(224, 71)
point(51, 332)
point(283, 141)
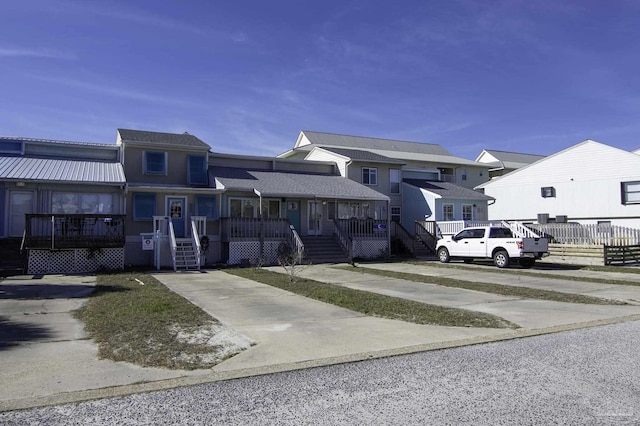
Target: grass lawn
point(554, 276)
point(504, 290)
point(134, 318)
point(375, 304)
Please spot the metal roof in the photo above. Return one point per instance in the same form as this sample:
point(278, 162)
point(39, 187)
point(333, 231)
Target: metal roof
point(160, 138)
point(362, 155)
point(289, 184)
point(448, 190)
point(53, 141)
point(55, 170)
point(362, 142)
point(399, 150)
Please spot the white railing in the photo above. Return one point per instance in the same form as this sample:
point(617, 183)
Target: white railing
point(295, 242)
point(201, 224)
point(173, 245)
point(345, 240)
point(520, 230)
point(451, 227)
point(593, 234)
point(195, 241)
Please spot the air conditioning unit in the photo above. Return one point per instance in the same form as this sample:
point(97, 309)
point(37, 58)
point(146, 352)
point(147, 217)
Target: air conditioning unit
point(561, 219)
point(543, 217)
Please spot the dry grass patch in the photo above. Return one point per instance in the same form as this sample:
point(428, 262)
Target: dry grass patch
point(135, 318)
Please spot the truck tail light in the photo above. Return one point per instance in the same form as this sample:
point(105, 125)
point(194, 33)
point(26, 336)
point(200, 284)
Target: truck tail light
point(520, 245)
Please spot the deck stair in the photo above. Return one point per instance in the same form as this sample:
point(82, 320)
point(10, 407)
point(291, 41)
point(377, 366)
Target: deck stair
point(186, 255)
point(323, 249)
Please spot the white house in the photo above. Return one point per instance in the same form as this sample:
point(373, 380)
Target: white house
point(503, 162)
point(587, 183)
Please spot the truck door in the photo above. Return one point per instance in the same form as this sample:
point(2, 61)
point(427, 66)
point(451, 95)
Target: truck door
point(477, 243)
point(460, 246)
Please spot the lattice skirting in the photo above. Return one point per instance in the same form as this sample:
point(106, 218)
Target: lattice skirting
point(75, 261)
point(249, 251)
point(370, 249)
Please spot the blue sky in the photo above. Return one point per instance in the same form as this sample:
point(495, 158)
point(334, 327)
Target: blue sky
point(247, 76)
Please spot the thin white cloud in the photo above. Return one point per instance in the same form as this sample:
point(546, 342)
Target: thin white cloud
point(35, 53)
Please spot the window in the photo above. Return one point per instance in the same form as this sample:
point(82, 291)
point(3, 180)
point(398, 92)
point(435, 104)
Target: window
point(467, 212)
point(197, 170)
point(72, 203)
point(548, 192)
point(250, 208)
point(206, 206)
point(353, 210)
point(144, 206)
point(447, 212)
point(270, 209)
point(369, 176)
point(155, 163)
point(394, 181)
point(630, 192)
point(470, 233)
point(395, 214)
point(500, 233)
point(464, 174)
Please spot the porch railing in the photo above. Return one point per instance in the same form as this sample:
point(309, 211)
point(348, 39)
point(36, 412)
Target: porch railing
point(195, 240)
point(451, 227)
point(173, 245)
point(427, 232)
point(295, 242)
point(364, 228)
point(345, 240)
point(249, 229)
point(65, 231)
point(398, 231)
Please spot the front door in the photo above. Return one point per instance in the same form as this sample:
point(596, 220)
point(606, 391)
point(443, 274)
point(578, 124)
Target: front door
point(293, 214)
point(176, 212)
point(20, 203)
point(314, 218)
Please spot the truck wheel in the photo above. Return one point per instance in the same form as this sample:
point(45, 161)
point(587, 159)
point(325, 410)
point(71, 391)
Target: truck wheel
point(443, 255)
point(501, 259)
point(527, 262)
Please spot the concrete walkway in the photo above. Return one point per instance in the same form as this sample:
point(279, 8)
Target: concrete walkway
point(56, 363)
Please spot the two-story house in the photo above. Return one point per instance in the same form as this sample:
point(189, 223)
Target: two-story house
point(63, 202)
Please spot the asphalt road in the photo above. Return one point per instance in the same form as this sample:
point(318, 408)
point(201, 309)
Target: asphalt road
point(589, 376)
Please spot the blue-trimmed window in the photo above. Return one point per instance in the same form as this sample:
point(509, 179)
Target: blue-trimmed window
point(197, 170)
point(155, 163)
point(144, 206)
point(206, 206)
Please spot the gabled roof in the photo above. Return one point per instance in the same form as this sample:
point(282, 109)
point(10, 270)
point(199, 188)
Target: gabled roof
point(399, 150)
point(61, 171)
point(179, 140)
point(286, 184)
point(362, 155)
point(508, 160)
point(447, 190)
point(586, 161)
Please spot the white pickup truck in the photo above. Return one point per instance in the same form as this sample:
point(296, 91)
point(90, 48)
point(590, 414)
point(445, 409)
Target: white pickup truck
point(492, 242)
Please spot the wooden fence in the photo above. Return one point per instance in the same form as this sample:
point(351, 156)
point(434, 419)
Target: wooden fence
point(621, 254)
point(570, 233)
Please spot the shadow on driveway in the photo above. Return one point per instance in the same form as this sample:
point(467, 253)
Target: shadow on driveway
point(44, 291)
point(12, 333)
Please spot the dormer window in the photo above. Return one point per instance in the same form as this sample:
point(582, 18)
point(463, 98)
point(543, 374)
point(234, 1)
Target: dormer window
point(155, 163)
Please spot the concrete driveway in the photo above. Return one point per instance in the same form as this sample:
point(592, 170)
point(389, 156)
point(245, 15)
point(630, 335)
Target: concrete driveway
point(55, 362)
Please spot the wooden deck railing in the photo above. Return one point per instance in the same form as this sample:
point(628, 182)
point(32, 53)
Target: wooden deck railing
point(427, 231)
point(245, 229)
point(364, 228)
point(63, 231)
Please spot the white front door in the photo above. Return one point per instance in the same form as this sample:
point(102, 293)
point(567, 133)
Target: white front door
point(20, 203)
point(314, 215)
